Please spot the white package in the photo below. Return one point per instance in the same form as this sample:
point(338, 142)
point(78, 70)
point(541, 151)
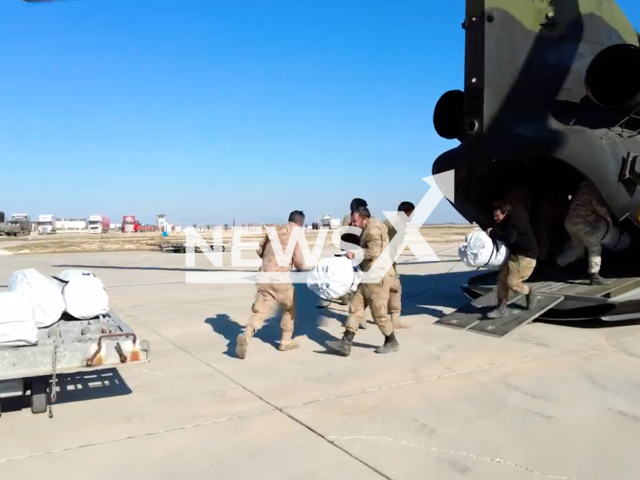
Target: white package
point(85, 297)
point(44, 294)
point(333, 277)
point(17, 324)
point(480, 250)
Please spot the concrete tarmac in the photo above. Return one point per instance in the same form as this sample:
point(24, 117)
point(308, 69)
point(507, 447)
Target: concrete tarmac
point(545, 401)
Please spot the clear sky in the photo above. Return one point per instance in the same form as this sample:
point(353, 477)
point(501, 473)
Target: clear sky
point(208, 110)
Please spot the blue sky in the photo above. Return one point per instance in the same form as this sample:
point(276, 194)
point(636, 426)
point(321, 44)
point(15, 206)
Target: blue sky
point(213, 109)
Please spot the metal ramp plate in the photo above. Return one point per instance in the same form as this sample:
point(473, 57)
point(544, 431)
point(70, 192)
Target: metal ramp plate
point(469, 314)
point(516, 317)
point(473, 318)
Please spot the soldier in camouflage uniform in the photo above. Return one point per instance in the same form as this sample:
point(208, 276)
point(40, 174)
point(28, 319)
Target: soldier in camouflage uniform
point(395, 297)
point(346, 221)
point(375, 239)
point(355, 240)
point(271, 295)
point(587, 208)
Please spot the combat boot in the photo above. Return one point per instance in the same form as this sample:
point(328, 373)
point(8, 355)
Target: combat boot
point(287, 345)
point(242, 342)
point(343, 346)
point(390, 345)
point(532, 300)
point(501, 311)
point(596, 279)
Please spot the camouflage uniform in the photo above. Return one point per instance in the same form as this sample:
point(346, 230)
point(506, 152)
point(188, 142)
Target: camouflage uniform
point(349, 298)
point(374, 240)
point(587, 208)
point(269, 296)
point(395, 297)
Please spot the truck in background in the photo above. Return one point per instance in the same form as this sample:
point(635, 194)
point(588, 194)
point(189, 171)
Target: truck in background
point(99, 224)
point(19, 225)
point(147, 228)
point(23, 220)
point(130, 224)
point(46, 224)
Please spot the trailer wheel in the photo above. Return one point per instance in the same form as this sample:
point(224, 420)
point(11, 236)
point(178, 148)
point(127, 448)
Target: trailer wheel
point(39, 397)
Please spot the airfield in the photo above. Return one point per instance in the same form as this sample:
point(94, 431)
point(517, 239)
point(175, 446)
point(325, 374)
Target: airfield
point(545, 401)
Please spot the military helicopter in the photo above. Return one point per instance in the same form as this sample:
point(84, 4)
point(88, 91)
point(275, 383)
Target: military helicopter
point(551, 98)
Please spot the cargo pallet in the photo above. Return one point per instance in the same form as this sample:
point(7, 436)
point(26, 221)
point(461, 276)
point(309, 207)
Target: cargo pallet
point(68, 346)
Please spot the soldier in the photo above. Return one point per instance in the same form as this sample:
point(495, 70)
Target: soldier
point(395, 300)
point(346, 221)
point(586, 209)
point(515, 232)
point(354, 240)
point(355, 204)
point(374, 240)
point(270, 295)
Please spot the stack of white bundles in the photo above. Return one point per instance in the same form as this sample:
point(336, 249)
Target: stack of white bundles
point(17, 324)
point(85, 296)
point(480, 250)
point(333, 277)
point(42, 292)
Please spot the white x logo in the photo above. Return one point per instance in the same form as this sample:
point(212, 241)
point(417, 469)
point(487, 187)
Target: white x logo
point(409, 228)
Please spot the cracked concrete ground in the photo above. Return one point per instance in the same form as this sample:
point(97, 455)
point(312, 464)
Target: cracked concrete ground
point(544, 402)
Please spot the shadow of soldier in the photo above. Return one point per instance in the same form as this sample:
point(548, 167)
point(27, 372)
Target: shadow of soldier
point(309, 317)
point(431, 294)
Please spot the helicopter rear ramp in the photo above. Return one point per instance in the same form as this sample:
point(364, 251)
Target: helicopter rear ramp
point(574, 300)
point(473, 317)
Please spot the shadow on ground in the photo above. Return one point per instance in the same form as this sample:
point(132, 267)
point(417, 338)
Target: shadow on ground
point(309, 318)
point(421, 294)
point(594, 324)
point(78, 387)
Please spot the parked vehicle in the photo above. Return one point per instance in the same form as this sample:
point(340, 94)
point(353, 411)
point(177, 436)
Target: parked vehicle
point(46, 224)
point(99, 224)
point(19, 225)
point(129, 224)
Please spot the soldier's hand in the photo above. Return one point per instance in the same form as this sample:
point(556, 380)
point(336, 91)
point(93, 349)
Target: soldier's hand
point(350, 255)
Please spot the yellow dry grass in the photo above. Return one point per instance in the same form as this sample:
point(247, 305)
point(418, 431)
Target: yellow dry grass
point(114, 242)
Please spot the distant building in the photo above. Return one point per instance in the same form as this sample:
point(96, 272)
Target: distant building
point(161, 221)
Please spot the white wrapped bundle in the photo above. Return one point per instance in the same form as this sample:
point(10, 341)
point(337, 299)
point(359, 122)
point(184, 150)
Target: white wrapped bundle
point(85, 297)
point(480, 250)
point(44, 294)
point(333, 277)
point(17, 324)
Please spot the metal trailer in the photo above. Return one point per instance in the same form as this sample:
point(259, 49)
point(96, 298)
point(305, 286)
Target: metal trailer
point(68, 346)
